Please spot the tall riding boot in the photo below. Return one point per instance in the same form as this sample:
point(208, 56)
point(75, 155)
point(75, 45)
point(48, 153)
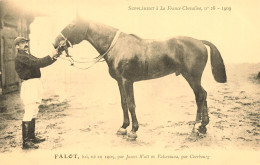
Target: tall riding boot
point(27, 143)
point(33, 137)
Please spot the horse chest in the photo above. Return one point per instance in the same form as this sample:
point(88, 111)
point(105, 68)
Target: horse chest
point(131, 69)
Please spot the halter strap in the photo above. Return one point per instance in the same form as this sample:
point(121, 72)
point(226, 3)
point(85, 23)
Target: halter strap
point(111, 45)
point(66, 40)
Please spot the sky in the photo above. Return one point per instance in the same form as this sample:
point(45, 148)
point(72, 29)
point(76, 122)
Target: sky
point(235, 30)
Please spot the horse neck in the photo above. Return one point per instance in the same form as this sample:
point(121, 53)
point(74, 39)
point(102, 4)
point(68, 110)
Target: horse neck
point(100, 36)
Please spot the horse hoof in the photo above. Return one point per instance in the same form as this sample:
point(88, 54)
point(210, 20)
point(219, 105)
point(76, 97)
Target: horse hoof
point(202, 129)
point(194, 122)
point(194, 133)
point(122, 131)
point(132, 136)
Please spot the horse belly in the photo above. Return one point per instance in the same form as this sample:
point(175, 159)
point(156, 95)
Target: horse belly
point(161, 59)
point(138, 69)
point(161, 67)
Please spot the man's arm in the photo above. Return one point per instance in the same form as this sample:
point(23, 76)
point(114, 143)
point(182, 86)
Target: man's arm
point(35, 62)
point(38, 62)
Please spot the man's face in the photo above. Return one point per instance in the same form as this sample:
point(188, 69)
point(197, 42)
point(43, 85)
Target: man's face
point(23, 45)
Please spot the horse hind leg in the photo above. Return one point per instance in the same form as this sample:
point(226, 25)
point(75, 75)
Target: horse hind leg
point(201, 96)
point(201, 101)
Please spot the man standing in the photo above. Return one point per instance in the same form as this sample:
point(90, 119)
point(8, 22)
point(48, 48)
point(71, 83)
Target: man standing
point(28, 67)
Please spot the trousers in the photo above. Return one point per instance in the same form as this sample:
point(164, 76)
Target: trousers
point(31, 96)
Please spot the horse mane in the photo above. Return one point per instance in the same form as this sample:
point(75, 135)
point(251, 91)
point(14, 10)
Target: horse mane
point(137, 37)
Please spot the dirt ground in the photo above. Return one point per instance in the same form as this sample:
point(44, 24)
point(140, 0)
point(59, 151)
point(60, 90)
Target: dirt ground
point(81, 112)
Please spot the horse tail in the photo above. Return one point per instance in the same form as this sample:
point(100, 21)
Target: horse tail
point(217, 64)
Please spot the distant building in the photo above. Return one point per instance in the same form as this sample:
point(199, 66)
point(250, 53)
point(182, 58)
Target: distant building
point(13, 22)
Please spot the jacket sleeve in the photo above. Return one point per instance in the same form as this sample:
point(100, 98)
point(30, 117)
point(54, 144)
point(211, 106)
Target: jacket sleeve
point(32, 61)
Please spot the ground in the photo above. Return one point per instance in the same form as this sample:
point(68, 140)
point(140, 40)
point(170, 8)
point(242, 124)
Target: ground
point(81, 113)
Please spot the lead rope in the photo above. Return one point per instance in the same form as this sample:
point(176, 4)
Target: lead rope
point(96, 59)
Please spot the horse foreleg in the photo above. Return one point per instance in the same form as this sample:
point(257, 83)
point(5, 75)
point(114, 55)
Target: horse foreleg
point(131, 105)
point(126, 123)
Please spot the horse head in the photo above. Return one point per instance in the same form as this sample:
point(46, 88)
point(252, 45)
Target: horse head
point(72, 34)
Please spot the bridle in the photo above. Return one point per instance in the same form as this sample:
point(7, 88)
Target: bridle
point(63, 47)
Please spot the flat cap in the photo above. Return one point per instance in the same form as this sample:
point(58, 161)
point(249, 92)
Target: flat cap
point(20, 39)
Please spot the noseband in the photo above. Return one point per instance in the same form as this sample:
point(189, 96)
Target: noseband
point(66, 40)
point(63, 45)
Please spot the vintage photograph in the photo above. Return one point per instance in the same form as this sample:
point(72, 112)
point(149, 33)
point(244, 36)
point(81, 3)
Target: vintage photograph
point(129, 81)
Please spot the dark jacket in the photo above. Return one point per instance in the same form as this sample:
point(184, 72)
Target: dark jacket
point(28, 66)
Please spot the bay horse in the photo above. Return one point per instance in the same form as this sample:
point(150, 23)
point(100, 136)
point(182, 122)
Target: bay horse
point(131, 59)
